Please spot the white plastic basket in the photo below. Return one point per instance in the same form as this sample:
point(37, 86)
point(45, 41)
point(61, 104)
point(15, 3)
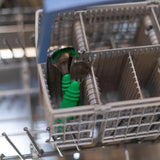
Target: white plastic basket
point(128, 77)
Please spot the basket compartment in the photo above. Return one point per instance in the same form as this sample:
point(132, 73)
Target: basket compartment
point(117, 76)
point(117, 27)
point(147, 69)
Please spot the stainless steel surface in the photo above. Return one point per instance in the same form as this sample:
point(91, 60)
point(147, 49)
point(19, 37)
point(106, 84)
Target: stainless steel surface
point(62, 63)
point(127, 152)
point(145, 151)
point(79, 69)
point(39, 151)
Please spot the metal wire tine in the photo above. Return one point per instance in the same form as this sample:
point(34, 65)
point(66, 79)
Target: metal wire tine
point(20, 25)
point(40, 151)
point(112, 42)
point(8, 45)
point(55, 144)
point(20, 43)
point(48, 129)
point(15, 148)
point(73, 136)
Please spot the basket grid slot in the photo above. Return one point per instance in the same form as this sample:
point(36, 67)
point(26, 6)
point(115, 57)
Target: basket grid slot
point(73, 128)
point(63, 28)
point(126, 117)
point(137, 124)
point(131, 136)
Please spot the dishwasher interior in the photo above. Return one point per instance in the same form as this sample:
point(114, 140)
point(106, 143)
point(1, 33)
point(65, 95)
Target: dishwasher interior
point(116, 64)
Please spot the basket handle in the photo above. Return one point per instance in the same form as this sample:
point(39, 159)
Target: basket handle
point(52, 8)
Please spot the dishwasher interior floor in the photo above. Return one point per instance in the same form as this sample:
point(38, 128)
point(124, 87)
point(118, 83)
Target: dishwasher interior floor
point(15, 115)
point(126, 152)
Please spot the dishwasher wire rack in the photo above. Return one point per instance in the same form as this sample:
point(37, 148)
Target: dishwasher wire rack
point(19, 90)
point(126, 67)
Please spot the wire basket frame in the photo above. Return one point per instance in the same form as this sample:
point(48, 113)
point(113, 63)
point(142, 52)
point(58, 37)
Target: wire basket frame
point(130, 101)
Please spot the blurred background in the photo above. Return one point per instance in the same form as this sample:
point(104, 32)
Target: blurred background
point(19, 99)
